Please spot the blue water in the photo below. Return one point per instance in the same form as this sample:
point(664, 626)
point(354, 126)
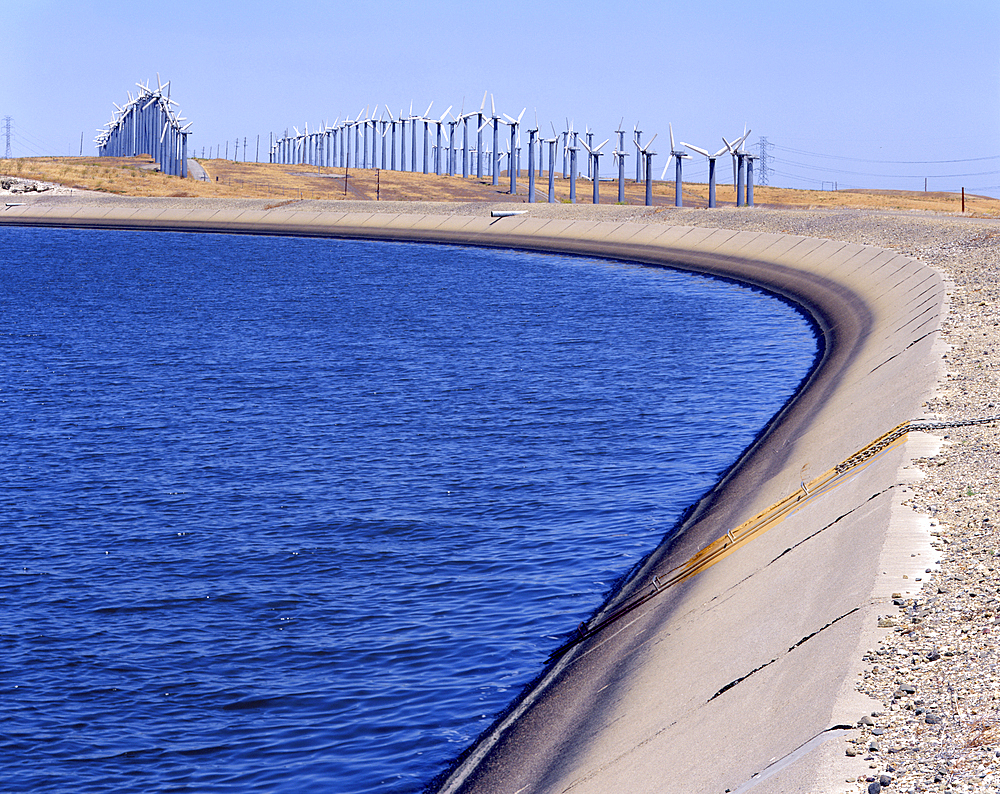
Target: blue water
point(289, 515)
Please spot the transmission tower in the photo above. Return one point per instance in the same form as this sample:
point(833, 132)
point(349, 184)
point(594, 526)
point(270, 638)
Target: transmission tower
point(765, 170)
point(6, 121)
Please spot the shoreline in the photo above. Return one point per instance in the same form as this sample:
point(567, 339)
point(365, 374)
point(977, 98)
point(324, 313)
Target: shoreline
point(465, 224)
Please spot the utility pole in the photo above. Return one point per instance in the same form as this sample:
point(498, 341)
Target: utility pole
point(765, 169)
point(81, 144)
point(256, 157)
point(7, 122)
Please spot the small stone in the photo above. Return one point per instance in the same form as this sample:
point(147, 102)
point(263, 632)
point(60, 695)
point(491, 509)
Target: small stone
point(932, 719)
point(878, 731)
point(884, 780)
point(851, 752)
point(866, 720)
point(874, 787)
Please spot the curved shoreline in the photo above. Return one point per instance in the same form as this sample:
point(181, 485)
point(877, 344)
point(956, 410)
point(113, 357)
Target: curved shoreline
point(751, 660)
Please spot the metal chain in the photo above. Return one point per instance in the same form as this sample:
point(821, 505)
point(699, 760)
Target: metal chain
point(898, 432)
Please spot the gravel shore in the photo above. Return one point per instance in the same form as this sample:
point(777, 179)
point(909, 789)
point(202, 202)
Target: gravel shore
point(936, 670)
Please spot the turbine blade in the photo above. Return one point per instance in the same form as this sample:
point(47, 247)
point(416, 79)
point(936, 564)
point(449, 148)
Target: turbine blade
point(664, 174)
point(694, 148)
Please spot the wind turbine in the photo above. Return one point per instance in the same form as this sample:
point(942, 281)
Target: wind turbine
point(427, 122)
point(552, 163)
point(734, 150)
point(679, 156)
point(711, 168)
point(479, 139)
point(465, 143)
point(413, 139)
point(437, 150)
point(595, 157)
point(452, 125)
point(402, 136)
point(620, 156)
point(531, 160)
point(573, 149)
point(566, 136)
point(496, 142)
point(392, 142)
point(647, 155)
point(511, 166)
point(637, 135)
point(357, 137)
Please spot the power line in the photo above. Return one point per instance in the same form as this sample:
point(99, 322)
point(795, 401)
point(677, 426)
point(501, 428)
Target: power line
point(885, 162)
point(882, 176)
point(7, 120)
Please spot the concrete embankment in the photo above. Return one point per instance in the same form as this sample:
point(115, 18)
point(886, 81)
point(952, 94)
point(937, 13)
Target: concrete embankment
point(737, 677)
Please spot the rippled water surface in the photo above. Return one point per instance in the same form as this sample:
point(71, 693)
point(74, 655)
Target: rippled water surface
point(290, 515)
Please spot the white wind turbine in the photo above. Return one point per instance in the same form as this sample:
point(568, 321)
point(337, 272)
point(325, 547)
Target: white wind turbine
point(512, 168)
point(437, 150)
point(531, 160)
point(479, 137)
point(679, 156)
point(647, 154)
point(427, 123)
point(552, 162)
point(711, 167)
point(595, 159)
point(619, 156)
point(392, 141)
point(496, 141)
point(738, 157)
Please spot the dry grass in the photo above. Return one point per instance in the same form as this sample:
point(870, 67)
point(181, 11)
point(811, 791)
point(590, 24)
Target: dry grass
point(983, 733)
point(136, 176)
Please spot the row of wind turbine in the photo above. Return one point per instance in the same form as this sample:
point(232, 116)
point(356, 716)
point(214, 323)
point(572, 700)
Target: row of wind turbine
point(331, 146)
point(147, 124)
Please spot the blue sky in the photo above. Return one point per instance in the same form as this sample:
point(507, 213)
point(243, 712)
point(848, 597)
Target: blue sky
point(881, 93)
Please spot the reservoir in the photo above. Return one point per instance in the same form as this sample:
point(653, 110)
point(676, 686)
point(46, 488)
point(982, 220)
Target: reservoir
point(298, 514)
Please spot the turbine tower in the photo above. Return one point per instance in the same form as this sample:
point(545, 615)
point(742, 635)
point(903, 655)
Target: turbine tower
point(531, 160)
point(678, 178)
point(647, 154)
point(738, 162)
point(552, 163)
point(595, 161)
point(619, 155)
point(511, 169)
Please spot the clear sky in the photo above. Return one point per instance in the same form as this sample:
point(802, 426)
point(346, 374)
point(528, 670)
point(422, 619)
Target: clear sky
point(861, 93)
